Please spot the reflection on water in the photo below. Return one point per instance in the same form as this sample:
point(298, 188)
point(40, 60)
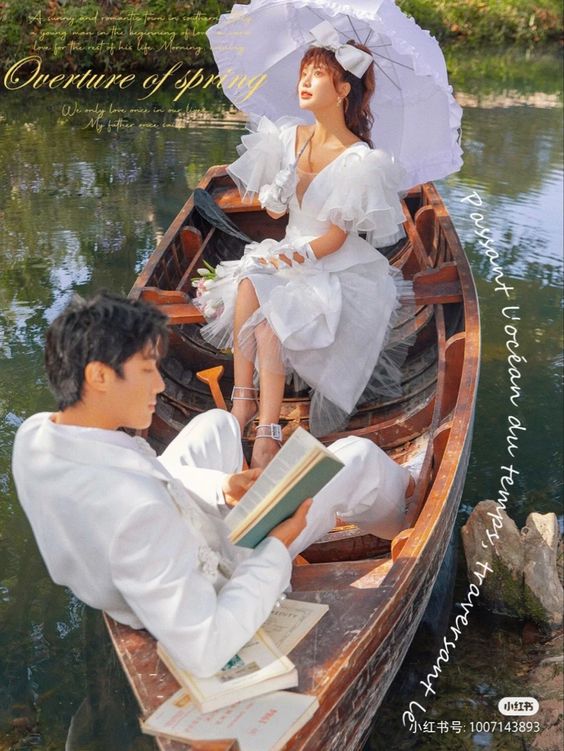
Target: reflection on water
point(521, 200)
point(80, 211)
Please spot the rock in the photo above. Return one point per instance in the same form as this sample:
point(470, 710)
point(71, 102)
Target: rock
point(540, 543)
point(558, 659)
point(531, 634)
point(22, 723)
point(560, 560)
point(524, 581)
point(502, 589)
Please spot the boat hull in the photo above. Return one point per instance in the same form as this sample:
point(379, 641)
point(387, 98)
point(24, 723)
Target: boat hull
point(377, 592)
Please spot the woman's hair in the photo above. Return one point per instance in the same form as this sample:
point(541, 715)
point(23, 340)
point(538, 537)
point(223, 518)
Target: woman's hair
point(356, 106)
point(107, 328)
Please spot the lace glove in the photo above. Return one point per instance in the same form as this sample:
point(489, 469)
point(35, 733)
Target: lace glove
point(251, 264)
point(285, 255)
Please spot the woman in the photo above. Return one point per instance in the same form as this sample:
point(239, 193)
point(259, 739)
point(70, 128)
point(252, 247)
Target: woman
point(319, 304)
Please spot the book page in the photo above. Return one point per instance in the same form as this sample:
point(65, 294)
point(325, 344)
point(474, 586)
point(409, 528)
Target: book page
point(261, 505)
point(261, 724)
point(301, 449)
point(291, 621)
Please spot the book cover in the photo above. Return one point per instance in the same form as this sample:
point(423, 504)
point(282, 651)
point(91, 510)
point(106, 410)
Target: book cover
point(258, 668)
point(291, 621)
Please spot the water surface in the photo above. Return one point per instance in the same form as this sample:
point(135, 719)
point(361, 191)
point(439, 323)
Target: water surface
point(80, 210)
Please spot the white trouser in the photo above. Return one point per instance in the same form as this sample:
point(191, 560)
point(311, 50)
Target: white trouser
point(369, 490)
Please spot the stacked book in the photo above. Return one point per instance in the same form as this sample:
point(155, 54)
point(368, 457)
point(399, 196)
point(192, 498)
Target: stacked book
point(244, 700)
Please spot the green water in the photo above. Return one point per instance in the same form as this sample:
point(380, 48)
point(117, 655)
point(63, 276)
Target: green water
point(80, 210)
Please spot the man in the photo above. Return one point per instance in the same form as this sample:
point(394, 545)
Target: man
point(142, 537)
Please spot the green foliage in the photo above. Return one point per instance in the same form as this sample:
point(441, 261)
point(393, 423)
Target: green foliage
point(477, 22)
point(461, 22)
point(158, 27)
point(16, 28)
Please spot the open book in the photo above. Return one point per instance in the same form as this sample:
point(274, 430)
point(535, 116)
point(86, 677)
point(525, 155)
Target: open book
point(260, 666)
point(266, 723)
point(298, 471)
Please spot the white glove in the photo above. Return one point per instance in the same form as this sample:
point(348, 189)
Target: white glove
point(251, 264)
point(286, 181)
point(269, 198)
point(276, 196)
point(306, 251)
point(288, 249)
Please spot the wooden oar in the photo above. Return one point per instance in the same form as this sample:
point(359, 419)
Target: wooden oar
point(211, 378)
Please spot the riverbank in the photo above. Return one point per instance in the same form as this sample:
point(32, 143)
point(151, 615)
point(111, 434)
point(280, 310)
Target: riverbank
point(123, 36)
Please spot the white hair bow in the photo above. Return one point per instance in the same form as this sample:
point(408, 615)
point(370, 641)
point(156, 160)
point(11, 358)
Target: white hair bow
point(350, 58)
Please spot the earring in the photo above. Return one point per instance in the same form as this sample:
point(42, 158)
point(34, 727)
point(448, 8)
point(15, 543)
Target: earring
point(339, 100)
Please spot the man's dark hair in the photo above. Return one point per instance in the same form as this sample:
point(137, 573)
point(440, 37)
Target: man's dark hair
point(107, 328)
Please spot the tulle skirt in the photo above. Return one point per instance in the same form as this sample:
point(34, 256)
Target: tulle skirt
point(329, 331)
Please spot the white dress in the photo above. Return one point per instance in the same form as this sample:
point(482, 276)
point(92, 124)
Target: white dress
point(332, 319)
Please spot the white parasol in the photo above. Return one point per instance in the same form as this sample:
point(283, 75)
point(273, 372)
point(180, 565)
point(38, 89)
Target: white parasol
point(416, 118)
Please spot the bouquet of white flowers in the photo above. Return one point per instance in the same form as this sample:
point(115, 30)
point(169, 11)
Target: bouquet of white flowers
point(202, 283)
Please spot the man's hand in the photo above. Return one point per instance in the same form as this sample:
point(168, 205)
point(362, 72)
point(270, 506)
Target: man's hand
point(235, 486)
point(289, 530)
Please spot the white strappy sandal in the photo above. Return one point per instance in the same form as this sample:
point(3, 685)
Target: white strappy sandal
point(246, 394)
point(266, 430)
point(269, 430)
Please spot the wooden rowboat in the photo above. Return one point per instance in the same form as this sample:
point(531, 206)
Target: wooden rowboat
point(376, 591)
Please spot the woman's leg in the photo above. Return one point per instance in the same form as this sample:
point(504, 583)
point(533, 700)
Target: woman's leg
point(245, 305)
point(271, 373)
point(271, 381)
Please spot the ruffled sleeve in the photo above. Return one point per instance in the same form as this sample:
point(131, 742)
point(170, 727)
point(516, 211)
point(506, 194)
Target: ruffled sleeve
point(261, 155)
point(365, 197)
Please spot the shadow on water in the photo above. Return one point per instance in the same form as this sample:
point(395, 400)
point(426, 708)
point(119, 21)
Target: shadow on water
point(81, 210)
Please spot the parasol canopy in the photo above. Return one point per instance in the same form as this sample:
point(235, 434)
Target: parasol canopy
point(416, 118)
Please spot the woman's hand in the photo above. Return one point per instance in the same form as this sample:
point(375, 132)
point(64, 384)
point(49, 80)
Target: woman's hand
point(251, 264)
point(285, 180)
point(235, 486)
point(269, 198)
point(289, 530)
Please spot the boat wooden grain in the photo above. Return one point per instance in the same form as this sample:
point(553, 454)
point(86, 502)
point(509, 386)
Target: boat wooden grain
point(377, 591)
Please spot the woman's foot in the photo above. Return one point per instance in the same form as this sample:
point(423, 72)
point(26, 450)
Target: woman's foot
point(244, 405)
point(268, 441)
point(263, 452)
